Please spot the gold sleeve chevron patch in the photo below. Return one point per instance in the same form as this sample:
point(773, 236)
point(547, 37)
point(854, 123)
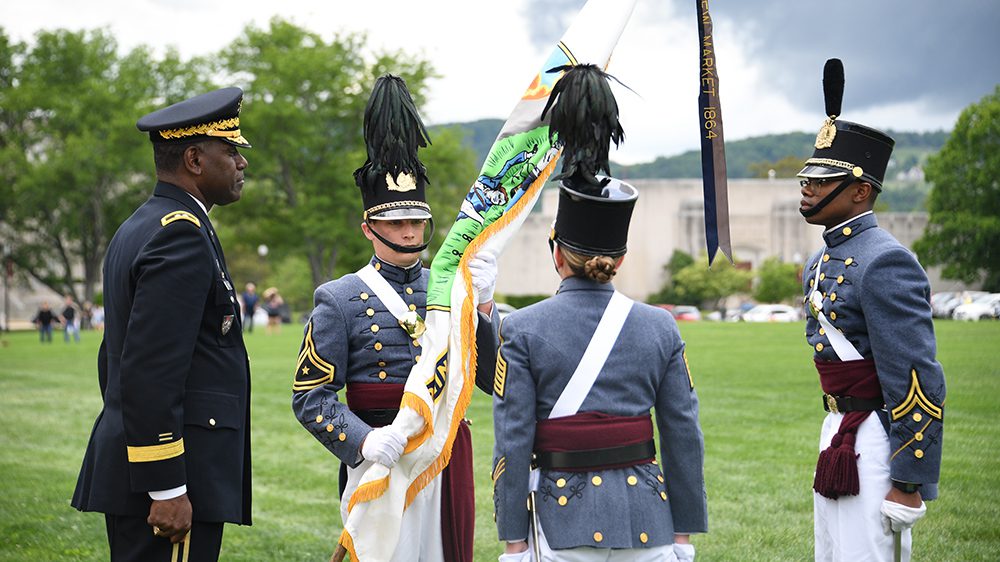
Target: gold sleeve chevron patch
point(175, 216)
point(500, 374)
point(311, 370)
point(916, 397)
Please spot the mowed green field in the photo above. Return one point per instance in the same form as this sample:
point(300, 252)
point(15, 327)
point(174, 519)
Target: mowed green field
point(760, 411)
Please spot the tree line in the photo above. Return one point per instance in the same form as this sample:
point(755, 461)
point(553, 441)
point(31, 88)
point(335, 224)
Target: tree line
point(73, 166)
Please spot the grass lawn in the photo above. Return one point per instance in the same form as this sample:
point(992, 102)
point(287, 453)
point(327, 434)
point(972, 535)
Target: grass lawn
point(760, 414)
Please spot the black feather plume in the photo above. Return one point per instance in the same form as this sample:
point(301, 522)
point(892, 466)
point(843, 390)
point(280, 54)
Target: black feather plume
point(585, 118)
point(833, 86)
point(393, 133)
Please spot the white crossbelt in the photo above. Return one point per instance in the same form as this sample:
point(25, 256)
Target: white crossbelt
point(843, 348)
point(594, 357)
point(384, 291)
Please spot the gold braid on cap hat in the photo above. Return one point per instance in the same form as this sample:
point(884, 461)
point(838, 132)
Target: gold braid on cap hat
point(210, 129)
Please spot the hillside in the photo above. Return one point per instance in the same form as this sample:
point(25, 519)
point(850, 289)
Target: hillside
point(753, 157)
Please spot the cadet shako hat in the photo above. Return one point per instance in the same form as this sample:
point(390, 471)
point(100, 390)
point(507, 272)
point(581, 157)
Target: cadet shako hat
point(594, 211)
point(844, 148)
point(212, 115)
point(392, 179)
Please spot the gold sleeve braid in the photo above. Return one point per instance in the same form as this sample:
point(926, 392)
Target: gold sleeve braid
point(309, 360)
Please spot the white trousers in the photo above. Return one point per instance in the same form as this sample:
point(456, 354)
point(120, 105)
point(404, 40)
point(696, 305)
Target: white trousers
point(849, 529)
point(420, 530)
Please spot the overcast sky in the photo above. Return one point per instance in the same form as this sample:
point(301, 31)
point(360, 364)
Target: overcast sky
point(910, 64)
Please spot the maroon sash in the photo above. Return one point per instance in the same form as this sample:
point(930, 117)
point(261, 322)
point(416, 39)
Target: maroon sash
point(837, 466)
point(458, 493)
point(593, 430)
point(374, 396)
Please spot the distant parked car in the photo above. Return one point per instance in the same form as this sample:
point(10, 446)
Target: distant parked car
point(772, 313)
point(984, 306)
point(686, 313)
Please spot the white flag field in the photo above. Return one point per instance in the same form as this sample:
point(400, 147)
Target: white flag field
point(440, 386)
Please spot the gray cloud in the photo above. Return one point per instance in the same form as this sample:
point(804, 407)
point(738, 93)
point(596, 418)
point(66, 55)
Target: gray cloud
point(945, 53)
point(941, 52)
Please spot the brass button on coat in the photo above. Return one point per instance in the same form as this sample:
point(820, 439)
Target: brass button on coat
point(919, 453)
point(409, 290)
point(847, 231)
point(364, 296)
point(598, 537)
point(382, 375)
point(561, 483)
point(211, 422)
point(319, 419)
point(562, 500)
point(370, 312)
point(375, 328)
point(632, 480)
point(596, 481)
point(643, 538)
point(342, 437)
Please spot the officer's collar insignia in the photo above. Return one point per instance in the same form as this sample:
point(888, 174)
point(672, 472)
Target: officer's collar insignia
point(174, 216)
point(826, 133)
point(227, 323)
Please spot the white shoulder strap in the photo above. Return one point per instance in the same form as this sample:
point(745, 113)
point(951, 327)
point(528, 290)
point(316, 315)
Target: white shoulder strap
point(594, 357)
point(384, 291)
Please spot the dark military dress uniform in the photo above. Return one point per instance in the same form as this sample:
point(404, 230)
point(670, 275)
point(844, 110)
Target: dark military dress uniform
point(175, 376)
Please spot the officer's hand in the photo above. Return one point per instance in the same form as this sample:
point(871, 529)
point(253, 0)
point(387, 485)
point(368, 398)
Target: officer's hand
point(483, 270)
point(897, 517)
point(384, 445)
point(171, 518)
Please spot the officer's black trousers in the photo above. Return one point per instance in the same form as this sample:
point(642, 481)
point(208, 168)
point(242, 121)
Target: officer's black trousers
point(131, 540)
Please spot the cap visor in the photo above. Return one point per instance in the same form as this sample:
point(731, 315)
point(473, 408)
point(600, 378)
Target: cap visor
point(400, 214)
point(813, 171)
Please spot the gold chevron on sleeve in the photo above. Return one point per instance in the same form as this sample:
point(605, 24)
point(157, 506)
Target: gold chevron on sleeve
point(500, 468)
point(915, 397)
point(152, 453)
point(687, 367)
point(310, 360)
point(500, 375)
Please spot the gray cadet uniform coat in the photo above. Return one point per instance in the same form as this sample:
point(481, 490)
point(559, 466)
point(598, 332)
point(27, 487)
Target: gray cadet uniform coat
point(635, 507)
point(351, 337)
point(877, 294)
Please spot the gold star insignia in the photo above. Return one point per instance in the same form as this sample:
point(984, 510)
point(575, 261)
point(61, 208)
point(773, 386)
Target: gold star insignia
point(305, 370)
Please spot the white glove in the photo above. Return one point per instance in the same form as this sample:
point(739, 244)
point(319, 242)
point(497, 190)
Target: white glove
point(384, 445)
point(684, 552)
point(483, 269)
point(897, 517)
point(518, 557)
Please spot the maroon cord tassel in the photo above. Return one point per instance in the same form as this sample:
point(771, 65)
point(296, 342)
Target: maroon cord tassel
point(837, 468)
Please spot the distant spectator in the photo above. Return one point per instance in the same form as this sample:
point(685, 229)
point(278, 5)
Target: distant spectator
point(250, 298)
point(272, 304)
point(87, 316)
point(68, 319)
point(43, 320)
point(98, 319)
